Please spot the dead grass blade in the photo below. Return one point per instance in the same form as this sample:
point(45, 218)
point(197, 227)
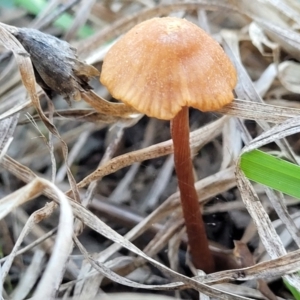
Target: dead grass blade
point(287, 38)
point(232, 143)
point(108, 108)
point(207, 188)
point(19, 197)
point(133, 296)
point(280, 266)
point(245, 88)
point(259, 111)
point(7, 128)
point(241, 290)
point(82, 115)
point(239, 108)
point(82, 13)
point(286, 9)
point(118, 194)
point(31, 276)
point(101, 268)
point(278, 202)
point(276, 198)
point(28, 79)
point(288, 74)
point(197, 139)
point(96, 224)
point(118, 132)
point(121, 26)
point(48, 285)
point(289, 127)
point(14, 110)
point(265, 229)
point(32, 245)
point(264, 47)
point(267, 233)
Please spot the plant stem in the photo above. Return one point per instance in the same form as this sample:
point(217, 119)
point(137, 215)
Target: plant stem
point(198, 243)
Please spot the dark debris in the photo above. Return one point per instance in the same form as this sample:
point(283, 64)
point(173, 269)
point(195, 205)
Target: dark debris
point(57, 68)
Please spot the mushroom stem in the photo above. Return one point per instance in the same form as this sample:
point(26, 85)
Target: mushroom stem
point(201, 255)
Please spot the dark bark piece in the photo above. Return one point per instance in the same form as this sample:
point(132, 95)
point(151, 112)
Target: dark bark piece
point(56, 65)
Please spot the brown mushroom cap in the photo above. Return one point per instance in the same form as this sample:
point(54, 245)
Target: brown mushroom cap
point(163, 64)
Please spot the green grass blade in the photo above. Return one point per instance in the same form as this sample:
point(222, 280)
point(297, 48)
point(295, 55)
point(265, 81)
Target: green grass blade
point(64, 21)
point(292, 289)
point(6, 4)
point(271, 171)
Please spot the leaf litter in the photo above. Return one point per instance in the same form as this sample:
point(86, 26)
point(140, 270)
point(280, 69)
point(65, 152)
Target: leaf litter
point(113, 137)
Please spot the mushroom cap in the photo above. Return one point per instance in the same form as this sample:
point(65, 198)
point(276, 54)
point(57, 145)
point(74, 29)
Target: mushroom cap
point(163, 64)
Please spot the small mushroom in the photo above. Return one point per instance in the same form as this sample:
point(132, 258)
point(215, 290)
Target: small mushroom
point(160, 68)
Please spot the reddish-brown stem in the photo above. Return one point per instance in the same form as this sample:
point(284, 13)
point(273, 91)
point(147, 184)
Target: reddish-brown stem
point(201, 255)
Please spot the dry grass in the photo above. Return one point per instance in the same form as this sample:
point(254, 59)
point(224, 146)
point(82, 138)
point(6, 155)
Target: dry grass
point(96, 183)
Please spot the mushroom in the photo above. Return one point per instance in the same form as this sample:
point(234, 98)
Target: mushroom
point(161, 67)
